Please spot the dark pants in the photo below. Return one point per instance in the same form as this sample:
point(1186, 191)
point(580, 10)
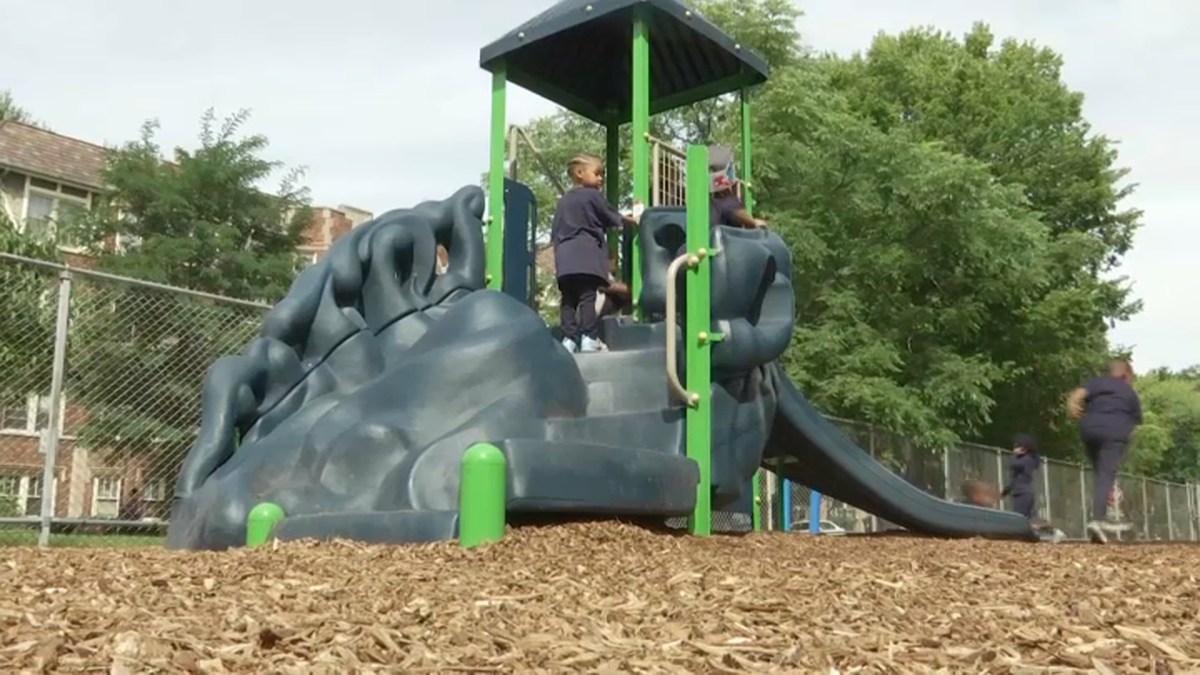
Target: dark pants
point(1105, 452)
point(577, 312)
point(1024, 503)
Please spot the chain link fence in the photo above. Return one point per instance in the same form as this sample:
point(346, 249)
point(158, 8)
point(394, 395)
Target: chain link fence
point(100, 385)
point(1154, 510)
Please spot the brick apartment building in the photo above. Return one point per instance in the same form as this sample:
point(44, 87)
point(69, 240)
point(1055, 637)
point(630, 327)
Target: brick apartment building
point(44, 175)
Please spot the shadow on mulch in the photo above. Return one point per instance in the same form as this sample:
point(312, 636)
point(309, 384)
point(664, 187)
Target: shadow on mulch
point(605, 597)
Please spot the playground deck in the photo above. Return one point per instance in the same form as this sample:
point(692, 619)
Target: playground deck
point(605, 597)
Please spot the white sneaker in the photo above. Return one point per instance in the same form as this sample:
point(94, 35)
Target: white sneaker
point(588, 344)
point(1057, 537)
point(1095, 530)
point(569, 345)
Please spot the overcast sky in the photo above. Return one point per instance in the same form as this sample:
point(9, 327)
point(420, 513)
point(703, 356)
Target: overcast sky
point(384, 101)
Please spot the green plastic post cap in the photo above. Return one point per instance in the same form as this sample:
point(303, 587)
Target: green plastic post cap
point(261, 523)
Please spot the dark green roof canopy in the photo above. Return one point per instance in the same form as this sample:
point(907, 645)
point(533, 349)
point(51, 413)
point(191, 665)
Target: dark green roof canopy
point(579, 54)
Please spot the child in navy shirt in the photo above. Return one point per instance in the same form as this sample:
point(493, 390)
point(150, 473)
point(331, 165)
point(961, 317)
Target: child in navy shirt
point(726, 208)
point(1109, 410)
point(581, 257)
point(1020, 477)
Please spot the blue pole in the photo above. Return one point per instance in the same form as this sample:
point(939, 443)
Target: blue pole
point(786, 516)
point(814, 512)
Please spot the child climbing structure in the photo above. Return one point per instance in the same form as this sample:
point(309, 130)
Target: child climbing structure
point(386, 402)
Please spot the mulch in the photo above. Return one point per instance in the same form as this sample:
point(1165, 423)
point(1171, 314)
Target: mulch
point(606, 598)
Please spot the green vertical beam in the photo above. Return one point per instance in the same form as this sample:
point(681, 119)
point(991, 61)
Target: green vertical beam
point(495, 224)
point(756, 499)
point(641, 140)
point(748, 198)
point(482, 495)
point(698, 339)
point(747, 155)
point(612, 179)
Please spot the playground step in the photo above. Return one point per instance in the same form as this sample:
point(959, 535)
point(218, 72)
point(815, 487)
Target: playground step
point(371, 526)
point(658, 430)
point(632, 395)
point(614, 366)
point(621, 334)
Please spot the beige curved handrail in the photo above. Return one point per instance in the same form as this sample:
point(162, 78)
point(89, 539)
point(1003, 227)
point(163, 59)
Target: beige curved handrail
point(691, 260)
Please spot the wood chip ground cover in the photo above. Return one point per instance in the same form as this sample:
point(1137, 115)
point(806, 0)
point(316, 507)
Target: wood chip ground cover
point(606, 598)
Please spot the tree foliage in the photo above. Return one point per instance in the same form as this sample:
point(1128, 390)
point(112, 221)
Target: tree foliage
point(27, 315)
point(1168, 443)
point(1006, 106)
point(199, 222)
point(951, 214)
point(9, 110)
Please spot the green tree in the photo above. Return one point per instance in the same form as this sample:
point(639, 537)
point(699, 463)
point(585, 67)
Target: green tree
point(9, 110)
point(28, 312)
point(902, 252)
point(27, 316)
point(1168, 442)
point(198, 222)
point(1007, 106)
point(201, 221)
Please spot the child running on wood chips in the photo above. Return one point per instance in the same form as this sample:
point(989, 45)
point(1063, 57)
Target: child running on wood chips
point(581, 257)
point(1020, 487)
point(1109, 410)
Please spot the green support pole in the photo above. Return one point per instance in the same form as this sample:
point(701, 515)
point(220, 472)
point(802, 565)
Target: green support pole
point(747, 151)
point(612, 181)
point(756, 514)
point(698, 338)
point(495, 223)
point(261, 523)
point(482, 496)
point(748, 198)
point(641, 141)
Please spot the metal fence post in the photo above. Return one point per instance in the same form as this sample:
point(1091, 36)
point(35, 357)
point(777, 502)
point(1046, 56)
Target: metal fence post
point(871, 449)
point(1083, 499)
point(947, 490)
point(1191, 502)
point(1170, 521)
point(1145, 509)
point(1046, 491)
point(999, 469)
point(50, 446)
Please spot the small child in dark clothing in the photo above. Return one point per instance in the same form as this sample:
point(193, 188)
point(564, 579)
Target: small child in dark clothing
point(727, 209)
point(1020, 477)
point(581, 256)
point(1109, 410)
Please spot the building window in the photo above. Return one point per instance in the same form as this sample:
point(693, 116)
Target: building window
point(33, 495)
point(26, 417)
point(49, 205)
point(20, 496)
point(155, 490)
point(106, 497)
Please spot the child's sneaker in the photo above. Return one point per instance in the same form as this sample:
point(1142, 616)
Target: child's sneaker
point(1057, 537)
point(569, 345)
point(588, 344)
point(1095, 530)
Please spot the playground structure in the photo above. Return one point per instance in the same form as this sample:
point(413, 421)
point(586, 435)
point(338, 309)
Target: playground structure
point(386, 402)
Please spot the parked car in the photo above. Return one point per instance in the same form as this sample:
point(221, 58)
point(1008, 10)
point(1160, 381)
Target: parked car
point(827, 527)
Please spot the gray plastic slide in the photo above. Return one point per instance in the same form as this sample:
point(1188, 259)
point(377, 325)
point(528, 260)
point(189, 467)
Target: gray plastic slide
point(808, 449)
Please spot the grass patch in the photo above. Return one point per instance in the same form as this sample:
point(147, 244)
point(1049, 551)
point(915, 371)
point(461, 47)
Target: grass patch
point(29, 537)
